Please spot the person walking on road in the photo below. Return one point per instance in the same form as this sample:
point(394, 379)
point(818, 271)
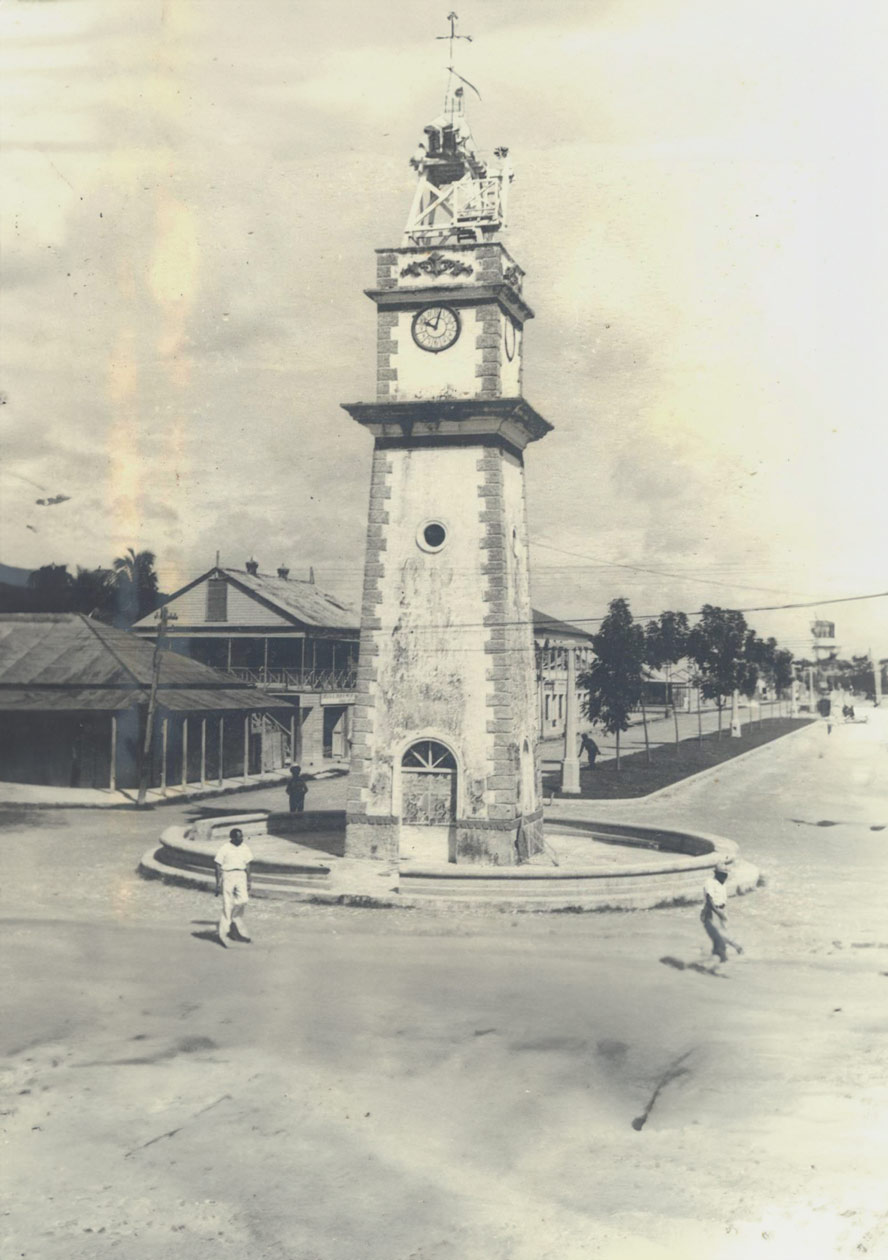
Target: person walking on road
point(714, 913)
point(590, 748)
point(297, 790)
point(233, 885)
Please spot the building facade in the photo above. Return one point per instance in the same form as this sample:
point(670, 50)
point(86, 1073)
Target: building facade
point(278, 633)
point(74, 699)
point(554, 639)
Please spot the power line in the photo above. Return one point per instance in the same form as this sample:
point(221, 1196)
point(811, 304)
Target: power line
point(637, 568)
point(540, 627)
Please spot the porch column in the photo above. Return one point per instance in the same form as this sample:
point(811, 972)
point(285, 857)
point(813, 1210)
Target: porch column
point(164, 739)
point(570, 767)
point(203, 751)
point(313, 736)
point(184, 752)
point(229, 653)
point(113, 777)
point(293, 756)
point(221, 749)
point(265, 662)
point(246, 748)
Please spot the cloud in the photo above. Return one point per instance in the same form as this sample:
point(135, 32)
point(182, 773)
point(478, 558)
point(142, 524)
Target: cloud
point(196, 197)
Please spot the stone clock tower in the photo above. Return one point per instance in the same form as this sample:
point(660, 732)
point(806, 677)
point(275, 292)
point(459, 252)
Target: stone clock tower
point(444, 764)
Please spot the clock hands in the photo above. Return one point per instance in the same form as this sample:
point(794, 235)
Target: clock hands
point(435, 328)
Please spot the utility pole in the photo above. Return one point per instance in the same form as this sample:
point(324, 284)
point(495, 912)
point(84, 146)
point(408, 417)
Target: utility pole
point(163, 618)
point(570, 767)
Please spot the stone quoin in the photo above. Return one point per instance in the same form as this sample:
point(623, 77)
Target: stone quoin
point(444, 764)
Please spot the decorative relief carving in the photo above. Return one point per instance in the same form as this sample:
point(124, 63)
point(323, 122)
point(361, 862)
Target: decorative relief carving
point(512, 275)
point(436, 265)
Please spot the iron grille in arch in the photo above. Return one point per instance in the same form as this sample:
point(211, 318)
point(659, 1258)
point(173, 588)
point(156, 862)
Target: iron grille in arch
point(429, 756)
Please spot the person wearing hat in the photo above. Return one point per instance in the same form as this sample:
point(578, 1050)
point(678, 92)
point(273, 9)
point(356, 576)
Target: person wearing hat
point(714, 913)
point(233, 885)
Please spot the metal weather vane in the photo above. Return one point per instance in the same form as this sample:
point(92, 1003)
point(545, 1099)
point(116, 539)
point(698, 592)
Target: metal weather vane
point(453, 18)
point(460, 195)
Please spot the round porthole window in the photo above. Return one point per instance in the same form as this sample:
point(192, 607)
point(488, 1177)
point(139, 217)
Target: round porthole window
point(431, 535)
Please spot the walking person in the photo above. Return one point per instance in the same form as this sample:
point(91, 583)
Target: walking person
point(590, 748)
point(297, 790)
point(233, 885)
point(714, 916)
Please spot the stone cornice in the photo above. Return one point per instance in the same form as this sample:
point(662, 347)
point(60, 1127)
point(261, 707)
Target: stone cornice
point(442, 419)
point(456, 295)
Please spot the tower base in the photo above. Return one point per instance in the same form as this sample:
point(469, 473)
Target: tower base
point(479, 841)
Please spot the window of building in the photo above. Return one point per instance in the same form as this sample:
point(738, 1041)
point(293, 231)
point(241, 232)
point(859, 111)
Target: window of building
point(431, 536)
point(560, 706)
point(217, 599)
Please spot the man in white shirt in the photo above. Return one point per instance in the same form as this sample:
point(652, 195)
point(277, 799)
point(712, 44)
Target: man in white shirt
point(714, 913)
point(233, 883)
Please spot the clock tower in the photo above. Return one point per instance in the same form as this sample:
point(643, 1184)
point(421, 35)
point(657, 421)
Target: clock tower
point(444, 765)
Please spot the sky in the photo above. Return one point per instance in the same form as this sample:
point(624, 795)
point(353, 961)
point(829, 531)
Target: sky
point(193, 191)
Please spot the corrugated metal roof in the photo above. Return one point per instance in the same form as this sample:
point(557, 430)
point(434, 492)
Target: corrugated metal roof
point(302, 600)
point(551, 627)
point(68, 699)
point(69, 661)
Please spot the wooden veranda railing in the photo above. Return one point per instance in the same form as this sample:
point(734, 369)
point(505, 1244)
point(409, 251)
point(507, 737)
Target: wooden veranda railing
point(297, 679)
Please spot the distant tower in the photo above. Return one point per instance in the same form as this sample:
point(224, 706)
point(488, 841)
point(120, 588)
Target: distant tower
point(443, 755)
point(823, 637)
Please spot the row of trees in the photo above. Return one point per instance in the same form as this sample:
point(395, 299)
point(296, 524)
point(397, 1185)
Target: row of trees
point(119, 595)
point(727, 654)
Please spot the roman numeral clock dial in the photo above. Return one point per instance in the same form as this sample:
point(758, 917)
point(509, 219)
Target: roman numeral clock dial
point(435, 328)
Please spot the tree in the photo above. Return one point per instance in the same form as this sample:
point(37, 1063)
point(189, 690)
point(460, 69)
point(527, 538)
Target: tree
point(135, 583)
point(51, 584)
point(666, 642)
point(717, 644)
point(783, 670)
point(93, 593)
point(614, 680)
point(756, 664)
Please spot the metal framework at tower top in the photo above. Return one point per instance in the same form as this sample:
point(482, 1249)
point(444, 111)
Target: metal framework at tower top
point(460, 197)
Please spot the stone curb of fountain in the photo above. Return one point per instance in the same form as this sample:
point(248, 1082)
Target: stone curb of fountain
point(675, 880)
point(556, 802)
point(745, 874)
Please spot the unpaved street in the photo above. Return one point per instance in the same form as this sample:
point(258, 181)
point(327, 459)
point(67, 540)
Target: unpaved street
point(416, 1086)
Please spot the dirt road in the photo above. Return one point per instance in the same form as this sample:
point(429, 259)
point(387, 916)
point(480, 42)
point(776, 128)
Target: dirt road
point(406, 1086)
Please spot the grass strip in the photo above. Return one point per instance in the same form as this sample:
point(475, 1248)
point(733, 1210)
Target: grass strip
point(669, 763)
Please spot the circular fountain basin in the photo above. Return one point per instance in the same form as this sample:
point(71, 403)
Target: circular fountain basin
point(588, 865)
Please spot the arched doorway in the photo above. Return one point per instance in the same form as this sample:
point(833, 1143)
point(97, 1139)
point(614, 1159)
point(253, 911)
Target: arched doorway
point(428, 801)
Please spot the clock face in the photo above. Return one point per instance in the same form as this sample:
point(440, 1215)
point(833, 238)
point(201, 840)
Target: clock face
point(435, 328)
point(509, 338)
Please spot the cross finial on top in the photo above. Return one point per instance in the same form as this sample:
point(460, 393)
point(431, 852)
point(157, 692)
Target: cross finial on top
point(453, 18)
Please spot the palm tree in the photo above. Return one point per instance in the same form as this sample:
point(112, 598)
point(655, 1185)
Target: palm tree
point(136, 585)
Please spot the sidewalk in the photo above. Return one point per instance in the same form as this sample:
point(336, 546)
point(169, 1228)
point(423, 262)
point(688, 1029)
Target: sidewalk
point(38, 796)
